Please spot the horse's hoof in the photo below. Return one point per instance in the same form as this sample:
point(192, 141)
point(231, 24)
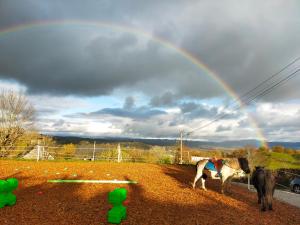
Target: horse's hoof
point(263, 209)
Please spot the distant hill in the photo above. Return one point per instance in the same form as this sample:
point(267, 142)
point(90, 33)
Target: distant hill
point(169, 142)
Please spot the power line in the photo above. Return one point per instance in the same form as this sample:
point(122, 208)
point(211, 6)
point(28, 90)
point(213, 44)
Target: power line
point(265, 92)
point(261, 93)
point(281, 82)
point(262, 90)
point(271, 77)
point(241, 98)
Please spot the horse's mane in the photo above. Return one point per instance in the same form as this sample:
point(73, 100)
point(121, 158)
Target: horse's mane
point(232, 163)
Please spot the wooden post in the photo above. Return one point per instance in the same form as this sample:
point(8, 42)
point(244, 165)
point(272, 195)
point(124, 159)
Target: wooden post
point(181, 147)
point(38, 150)
point(93, 159)
point(119, 153)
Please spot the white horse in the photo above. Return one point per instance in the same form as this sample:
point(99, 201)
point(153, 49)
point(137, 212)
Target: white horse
point(231, 168)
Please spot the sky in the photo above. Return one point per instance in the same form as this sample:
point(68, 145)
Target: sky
point(103, 68)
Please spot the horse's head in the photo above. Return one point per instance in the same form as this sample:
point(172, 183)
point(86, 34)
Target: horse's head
point(259, 168)
point(244, 165)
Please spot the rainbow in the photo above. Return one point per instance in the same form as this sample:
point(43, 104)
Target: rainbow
point(126, 29)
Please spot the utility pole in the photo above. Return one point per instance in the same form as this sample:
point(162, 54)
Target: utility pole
point(38, 149)
point(248, 158)
point(181, 147)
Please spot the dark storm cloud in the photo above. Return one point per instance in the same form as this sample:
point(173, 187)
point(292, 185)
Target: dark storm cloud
point(242, 42)
point(167, 99)
point(54, 62)
point(189, 107)
point(133, 113)
point(150, 129)
point(129, 103)
point(192, 110)
point(246, 46)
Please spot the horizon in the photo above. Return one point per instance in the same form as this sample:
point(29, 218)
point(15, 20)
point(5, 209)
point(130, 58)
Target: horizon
point(168, 139)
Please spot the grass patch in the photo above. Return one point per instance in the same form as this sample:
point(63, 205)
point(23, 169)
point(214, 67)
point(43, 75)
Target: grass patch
point(282, 160)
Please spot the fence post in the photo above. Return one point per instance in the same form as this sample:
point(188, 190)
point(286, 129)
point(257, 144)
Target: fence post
point(38, 151)
point(181, 147)
point(93, 159)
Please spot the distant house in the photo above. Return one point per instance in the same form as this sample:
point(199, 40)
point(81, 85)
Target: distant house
point(33, 154)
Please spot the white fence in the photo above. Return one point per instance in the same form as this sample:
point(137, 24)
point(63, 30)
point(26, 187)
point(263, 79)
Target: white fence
point(197, 158)
point(88, 153)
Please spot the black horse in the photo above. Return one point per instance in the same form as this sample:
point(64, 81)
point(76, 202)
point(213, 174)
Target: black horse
point(264, 182)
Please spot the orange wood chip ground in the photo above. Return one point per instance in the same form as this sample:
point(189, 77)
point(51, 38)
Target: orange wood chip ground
point(163, 195)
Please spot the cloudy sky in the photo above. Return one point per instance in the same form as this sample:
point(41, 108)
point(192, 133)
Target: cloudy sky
point(117, 68)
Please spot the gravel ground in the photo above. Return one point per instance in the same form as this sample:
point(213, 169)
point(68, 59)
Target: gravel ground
point(163, 195)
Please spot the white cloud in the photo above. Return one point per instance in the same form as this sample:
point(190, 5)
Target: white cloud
point(12, 85)
point(279, 121)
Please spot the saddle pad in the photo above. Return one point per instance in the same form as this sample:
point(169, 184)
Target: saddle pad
point(210, 166)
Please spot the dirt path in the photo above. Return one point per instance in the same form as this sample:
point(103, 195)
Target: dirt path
point(162, 196)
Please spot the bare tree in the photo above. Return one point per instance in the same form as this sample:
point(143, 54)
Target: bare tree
point(16, 116)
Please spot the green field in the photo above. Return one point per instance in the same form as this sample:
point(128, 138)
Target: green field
point(275, 160)
point(283, 160)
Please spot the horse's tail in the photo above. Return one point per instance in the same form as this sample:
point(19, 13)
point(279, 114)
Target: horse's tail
point(197, 165)
point(200, 161)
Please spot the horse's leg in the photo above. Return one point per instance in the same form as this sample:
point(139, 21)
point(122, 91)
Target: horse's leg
point(271, 198)
point(200, 167)
point(258, 196)
point(224, 181)
point(203, 184)
point(270, 203)
point(264, 200)
point(197, 177)
point(262, 197)
point(228, 184)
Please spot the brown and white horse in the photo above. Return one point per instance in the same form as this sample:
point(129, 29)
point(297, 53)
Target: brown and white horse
point(233, 167)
